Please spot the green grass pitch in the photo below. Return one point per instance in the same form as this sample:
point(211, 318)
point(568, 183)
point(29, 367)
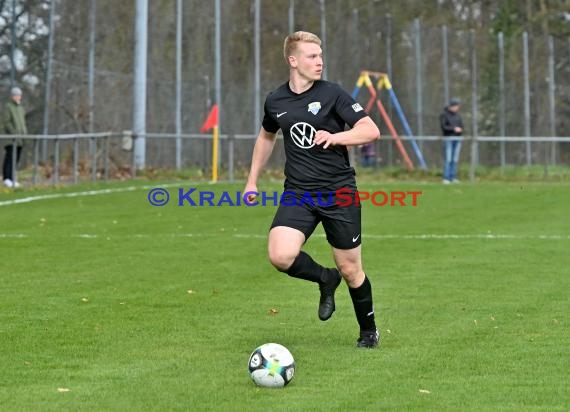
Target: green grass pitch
point(108, 303)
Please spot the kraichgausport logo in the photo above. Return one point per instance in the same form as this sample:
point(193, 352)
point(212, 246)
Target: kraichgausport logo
point(342, 197)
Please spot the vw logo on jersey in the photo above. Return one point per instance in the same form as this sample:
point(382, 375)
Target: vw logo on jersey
point(302, 134)
point(314, 107)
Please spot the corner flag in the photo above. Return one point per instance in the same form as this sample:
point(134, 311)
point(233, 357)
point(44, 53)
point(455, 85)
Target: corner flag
point(212, 122)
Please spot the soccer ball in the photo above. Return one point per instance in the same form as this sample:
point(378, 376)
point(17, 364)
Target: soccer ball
point(271, 365)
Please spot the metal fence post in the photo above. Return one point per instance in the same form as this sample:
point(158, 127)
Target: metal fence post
point(257, 67)
point(48, 75)
point(502, 120)
point(324, 35)
point(552, 98)
point(474, 142)
point(419, 84)
point(56, 161)
point(178, 84)
point(14, 159)
point(354, 56)
point(526, 99)
point(134, 159)
point(106, 158)
point(445, 61)
point(94, 159)
point(231, 154)
point(291, 16)
point(75, 156)
point(91, 69)
point(140, 81)
point(13, 40)
point(36, 160)
point(218, 69)
point(389, 29)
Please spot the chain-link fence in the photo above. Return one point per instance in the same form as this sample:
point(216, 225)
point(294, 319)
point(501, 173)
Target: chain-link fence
point(103, 156)
point(515, 85)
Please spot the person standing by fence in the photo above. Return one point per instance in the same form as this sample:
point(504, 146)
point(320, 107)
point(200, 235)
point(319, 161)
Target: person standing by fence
point(452, 128)
point(13, 123)
point(368, 155)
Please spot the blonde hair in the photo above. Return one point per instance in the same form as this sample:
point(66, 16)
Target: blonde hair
point(291, 41)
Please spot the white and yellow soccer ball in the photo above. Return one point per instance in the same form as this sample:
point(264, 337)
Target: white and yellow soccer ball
point(271, 365)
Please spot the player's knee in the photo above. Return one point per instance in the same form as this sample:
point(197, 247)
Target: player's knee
point(281, 260)
point(350, 271)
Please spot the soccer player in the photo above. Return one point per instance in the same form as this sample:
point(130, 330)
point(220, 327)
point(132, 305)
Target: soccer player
point(312, 115)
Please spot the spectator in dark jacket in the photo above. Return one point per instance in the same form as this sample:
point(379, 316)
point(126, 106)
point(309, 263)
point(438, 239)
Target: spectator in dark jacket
point(452, 128)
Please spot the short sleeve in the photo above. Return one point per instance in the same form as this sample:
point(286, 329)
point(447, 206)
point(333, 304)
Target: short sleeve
point(348, 109)
point(269, 123)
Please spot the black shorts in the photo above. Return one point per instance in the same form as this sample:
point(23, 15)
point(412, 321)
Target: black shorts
point(341, 223)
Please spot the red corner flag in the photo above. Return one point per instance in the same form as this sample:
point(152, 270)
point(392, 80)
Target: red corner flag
point(211, 120)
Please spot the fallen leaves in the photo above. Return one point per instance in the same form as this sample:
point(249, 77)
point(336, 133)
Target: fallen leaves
point(425, 391)
point(63, 390)
point(273, 311)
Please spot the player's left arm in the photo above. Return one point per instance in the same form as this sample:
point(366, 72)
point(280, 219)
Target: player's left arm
point(364, 131)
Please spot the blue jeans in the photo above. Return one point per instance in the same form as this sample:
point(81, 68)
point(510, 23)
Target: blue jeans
point(367, 161)
point(451, 150)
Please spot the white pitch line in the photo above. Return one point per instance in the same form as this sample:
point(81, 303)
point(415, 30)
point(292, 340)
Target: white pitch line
point(431, 236)
point(436, 236)
point(467, 236)
point(30, 199)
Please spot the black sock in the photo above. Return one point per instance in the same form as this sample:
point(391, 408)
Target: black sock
point(363, 306)
point(304, 267)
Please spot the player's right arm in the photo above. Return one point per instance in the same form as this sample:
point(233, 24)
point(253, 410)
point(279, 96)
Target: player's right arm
point(261, 152)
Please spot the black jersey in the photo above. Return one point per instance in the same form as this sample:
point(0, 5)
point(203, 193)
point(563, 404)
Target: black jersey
point(325, 106)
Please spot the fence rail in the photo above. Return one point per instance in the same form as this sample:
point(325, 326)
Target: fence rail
point(100, 150)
